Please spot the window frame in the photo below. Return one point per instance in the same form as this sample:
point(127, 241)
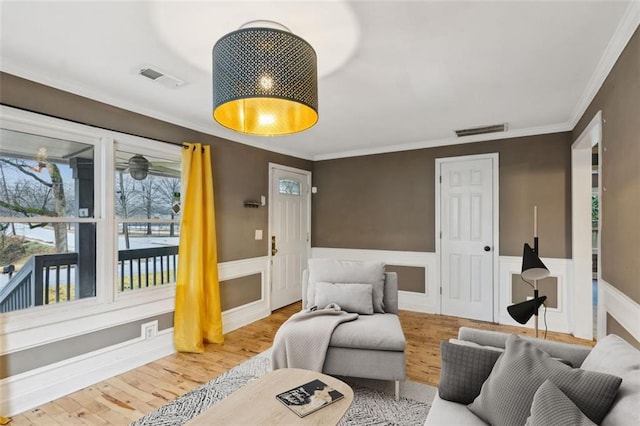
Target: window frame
point(132, 144)
point(106, 308)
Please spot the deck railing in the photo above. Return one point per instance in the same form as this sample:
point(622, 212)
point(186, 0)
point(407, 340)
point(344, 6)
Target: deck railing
point(50, 278)
point(148, 267)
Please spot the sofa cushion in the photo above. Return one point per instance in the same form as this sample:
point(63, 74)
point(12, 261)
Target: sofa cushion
point(347, 271)
point(350, 297)
point(464, 370)
point(614, 355)
point(381, 332)
point(551, 406)
point(507, 394)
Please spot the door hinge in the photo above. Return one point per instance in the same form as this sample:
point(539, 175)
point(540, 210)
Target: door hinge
point(440, 234)
point(440, 179)
point(440, 291)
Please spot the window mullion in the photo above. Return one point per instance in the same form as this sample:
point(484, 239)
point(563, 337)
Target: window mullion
point(107, 247)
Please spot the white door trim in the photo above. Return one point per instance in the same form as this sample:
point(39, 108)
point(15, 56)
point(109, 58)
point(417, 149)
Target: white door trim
point(496, 222)
point(582, 312)
point(307, 174)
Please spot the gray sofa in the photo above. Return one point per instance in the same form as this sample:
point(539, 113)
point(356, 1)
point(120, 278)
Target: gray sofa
point(612, 356)
point(371, 347)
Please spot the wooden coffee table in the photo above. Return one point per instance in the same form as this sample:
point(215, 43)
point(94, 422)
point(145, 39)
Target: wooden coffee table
point(256, 403)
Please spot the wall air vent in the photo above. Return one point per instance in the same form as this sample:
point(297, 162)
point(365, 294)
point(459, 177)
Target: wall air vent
point(482, 130)
point(161, 77)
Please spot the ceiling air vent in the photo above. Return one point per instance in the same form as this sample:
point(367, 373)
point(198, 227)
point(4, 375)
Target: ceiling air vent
point(160, 77)
point(482, 130)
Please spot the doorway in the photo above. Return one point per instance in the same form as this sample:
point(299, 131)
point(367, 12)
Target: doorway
point(289, 232)
point(582, 224)
point(467, 225)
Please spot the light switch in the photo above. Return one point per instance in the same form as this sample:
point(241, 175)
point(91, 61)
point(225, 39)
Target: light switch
point(258, 234)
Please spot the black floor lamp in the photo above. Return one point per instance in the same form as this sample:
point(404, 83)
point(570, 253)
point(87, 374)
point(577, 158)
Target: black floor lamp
point(532, 270)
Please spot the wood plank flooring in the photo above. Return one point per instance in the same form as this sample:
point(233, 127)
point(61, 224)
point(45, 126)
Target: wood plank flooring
point(124, 398)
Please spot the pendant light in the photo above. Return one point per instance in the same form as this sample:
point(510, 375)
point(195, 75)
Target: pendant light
point(265, 80)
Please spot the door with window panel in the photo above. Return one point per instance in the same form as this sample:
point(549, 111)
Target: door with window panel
point(290, 233)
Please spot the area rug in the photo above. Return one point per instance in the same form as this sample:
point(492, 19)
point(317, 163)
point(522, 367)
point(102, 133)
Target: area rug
point(373, 403)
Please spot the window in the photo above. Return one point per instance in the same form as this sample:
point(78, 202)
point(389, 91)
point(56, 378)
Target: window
point(289, 187)
point(46, 216)
point(147, 202)
point(86, 215)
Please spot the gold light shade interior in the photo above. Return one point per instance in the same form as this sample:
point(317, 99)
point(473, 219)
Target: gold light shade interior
point(265, 116)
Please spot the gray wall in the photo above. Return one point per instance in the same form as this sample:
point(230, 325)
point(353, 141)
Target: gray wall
point(619, 100)
point(387, 201)
point(240, 172)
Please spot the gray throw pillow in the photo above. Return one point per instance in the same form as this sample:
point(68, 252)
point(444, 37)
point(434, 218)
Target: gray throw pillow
point(552, 407)
point(614, 355)
point(347, 271)
point(507, 394)
point(350, 297)
point(464, 370)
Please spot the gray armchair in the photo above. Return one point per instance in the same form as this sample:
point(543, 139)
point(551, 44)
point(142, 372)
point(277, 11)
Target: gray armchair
point(371, 347)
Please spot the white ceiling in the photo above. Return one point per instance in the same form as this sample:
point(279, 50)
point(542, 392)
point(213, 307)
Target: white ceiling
point(394, 75)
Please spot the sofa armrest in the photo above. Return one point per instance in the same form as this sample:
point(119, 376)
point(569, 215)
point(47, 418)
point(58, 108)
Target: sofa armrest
point(573, 353)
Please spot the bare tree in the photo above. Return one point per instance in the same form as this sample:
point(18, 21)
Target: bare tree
point(122, 200)
point(148, 196)
point(167, 188)
point(40, 198)
point(6, 196)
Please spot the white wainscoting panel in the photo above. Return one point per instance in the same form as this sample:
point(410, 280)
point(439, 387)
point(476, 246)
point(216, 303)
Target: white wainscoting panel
point(30, 389)
point(558, 319)
point(620, 306)
point(27, 390)
point(428, 302)
point(240, 316)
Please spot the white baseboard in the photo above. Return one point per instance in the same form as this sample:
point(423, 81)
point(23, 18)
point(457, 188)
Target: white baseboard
point(620, 306)
point(33, 388)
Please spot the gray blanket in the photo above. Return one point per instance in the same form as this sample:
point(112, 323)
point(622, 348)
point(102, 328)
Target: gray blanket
point(302, 341)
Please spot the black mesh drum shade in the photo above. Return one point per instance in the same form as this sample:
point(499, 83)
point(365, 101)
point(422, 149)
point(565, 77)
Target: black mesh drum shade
point(265, 82)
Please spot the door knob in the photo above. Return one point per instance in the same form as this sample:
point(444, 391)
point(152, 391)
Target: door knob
point(274, 250)
point(487, 248)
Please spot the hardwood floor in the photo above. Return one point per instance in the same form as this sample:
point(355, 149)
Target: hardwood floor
point(124, 398)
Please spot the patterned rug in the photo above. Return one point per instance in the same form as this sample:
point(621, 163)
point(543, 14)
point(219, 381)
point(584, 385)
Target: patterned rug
point(373, 403)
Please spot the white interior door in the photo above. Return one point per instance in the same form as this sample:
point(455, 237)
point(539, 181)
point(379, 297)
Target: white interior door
point(467, 245)
point(289, 232)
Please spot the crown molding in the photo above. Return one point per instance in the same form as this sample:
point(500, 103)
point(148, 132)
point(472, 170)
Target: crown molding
point(10, 67)
point(531, 131)
point(619, 40)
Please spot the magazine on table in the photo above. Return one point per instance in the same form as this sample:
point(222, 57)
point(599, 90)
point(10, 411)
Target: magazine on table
point(309, 397)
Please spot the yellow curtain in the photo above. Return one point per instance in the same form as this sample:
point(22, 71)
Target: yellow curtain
point(198, 316)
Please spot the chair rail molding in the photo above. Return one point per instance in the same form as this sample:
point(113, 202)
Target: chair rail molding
point(620, 306)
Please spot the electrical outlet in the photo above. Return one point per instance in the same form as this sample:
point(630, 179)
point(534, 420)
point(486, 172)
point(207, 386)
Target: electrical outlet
point(149, 330)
